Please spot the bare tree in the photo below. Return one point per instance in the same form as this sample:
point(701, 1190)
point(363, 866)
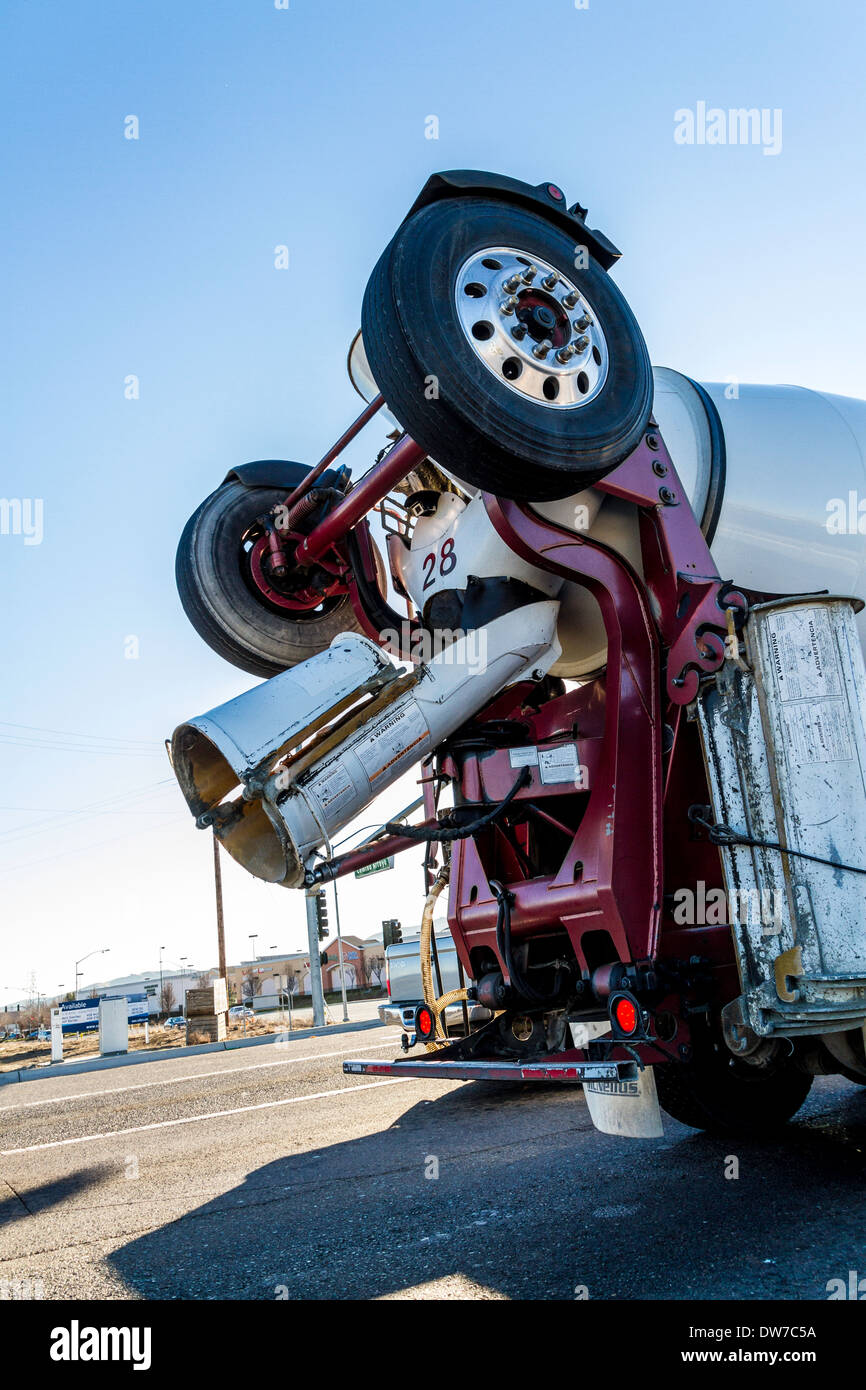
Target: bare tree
point(167, 1000)
point(205, 980)
point(375, 969)
point(252, 985)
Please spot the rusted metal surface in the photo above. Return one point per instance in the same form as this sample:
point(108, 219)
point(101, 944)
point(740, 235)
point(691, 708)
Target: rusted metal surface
point(784, 738)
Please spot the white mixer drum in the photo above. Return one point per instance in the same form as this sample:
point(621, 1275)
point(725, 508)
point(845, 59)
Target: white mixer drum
point(775, 474)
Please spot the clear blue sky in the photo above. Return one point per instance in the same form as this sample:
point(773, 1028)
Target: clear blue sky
point(155, 257)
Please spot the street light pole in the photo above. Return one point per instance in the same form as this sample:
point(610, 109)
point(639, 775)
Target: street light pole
point(104, 951)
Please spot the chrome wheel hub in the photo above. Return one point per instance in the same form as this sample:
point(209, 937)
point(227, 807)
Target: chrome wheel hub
point(531, 327)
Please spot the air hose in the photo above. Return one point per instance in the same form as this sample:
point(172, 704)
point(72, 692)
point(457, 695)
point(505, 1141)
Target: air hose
point(443, 832)
point(454, 996)
point(503, 943)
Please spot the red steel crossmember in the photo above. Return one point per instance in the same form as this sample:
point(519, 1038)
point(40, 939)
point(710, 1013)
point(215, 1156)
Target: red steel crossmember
point(610, 878)
point(610, 875)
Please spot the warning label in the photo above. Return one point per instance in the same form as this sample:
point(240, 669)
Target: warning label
point(809, 684)
point(817, 731)
point(333, 789)
point(803, 655)
point(560, 765)
point(398, 739)
point(523, 757)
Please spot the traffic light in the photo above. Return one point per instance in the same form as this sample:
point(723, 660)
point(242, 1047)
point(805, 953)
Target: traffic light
point(322, 914)
point(392, 932)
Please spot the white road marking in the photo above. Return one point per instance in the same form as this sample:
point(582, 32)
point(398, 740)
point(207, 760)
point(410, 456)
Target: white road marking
point(193, 1076)
point(213, 1115)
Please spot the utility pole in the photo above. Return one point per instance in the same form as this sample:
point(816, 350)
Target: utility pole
point(316, 990)
point(221, 936)
point(340, 949)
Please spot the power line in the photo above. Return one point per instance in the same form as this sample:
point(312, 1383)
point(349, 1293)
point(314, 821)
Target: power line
point(104, 806)
point(64, 854)
point(86, 748)
point(67, 733)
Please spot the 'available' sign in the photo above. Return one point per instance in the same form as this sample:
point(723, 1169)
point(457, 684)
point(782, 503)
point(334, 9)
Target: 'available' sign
point(82, 1015)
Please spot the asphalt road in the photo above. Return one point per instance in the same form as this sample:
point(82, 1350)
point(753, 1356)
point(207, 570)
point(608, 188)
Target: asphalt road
point(267, 1173)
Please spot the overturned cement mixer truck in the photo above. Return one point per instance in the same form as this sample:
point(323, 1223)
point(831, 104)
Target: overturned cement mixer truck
point(615, 627)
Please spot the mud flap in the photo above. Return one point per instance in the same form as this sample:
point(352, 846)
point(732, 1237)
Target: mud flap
point(628, 1108)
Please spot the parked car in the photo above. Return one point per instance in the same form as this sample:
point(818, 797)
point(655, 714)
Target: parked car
point(240, 1011)
point(176, 1021)
point(405, 992)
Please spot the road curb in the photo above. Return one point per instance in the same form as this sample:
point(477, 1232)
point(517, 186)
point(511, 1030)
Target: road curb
point(165, 1054)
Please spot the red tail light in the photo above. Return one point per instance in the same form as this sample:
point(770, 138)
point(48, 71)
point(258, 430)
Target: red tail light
point(626, 1014)
point(425, 1023)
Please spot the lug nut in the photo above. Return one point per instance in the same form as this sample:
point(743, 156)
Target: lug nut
point(542, 349)
point(519, 331)
point(551, 281)
point(583, 322)
point(581, 344)
point(570, 299)
point(512, 283)
point(565, 354)
point(529, 274)
point(508, 305)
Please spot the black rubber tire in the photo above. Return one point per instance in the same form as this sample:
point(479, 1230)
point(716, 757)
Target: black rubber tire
point(223, 607)
point(723, 1095)
point(477, 427)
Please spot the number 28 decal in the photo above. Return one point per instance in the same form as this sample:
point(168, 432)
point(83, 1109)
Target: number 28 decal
point(447, 562)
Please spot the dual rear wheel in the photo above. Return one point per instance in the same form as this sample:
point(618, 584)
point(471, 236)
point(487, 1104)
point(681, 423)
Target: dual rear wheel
point(722, 1094)
point(503, 348)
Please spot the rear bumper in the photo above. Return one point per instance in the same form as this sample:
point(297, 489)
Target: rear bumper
point(403, 1015)
point(496, 1071)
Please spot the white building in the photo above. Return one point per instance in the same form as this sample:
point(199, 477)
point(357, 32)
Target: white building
point(152, 984)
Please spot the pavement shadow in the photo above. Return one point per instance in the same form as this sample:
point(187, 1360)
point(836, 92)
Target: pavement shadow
point(529, 1202)
point(36, 1200)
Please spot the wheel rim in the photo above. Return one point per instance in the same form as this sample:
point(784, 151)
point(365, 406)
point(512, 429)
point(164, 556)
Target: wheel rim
point(302, 602)
point(531, 327)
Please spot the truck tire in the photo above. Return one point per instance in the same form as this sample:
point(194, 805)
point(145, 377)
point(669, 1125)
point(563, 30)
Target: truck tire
point(723, 1095)
point(455, 320)
point(220, 599)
